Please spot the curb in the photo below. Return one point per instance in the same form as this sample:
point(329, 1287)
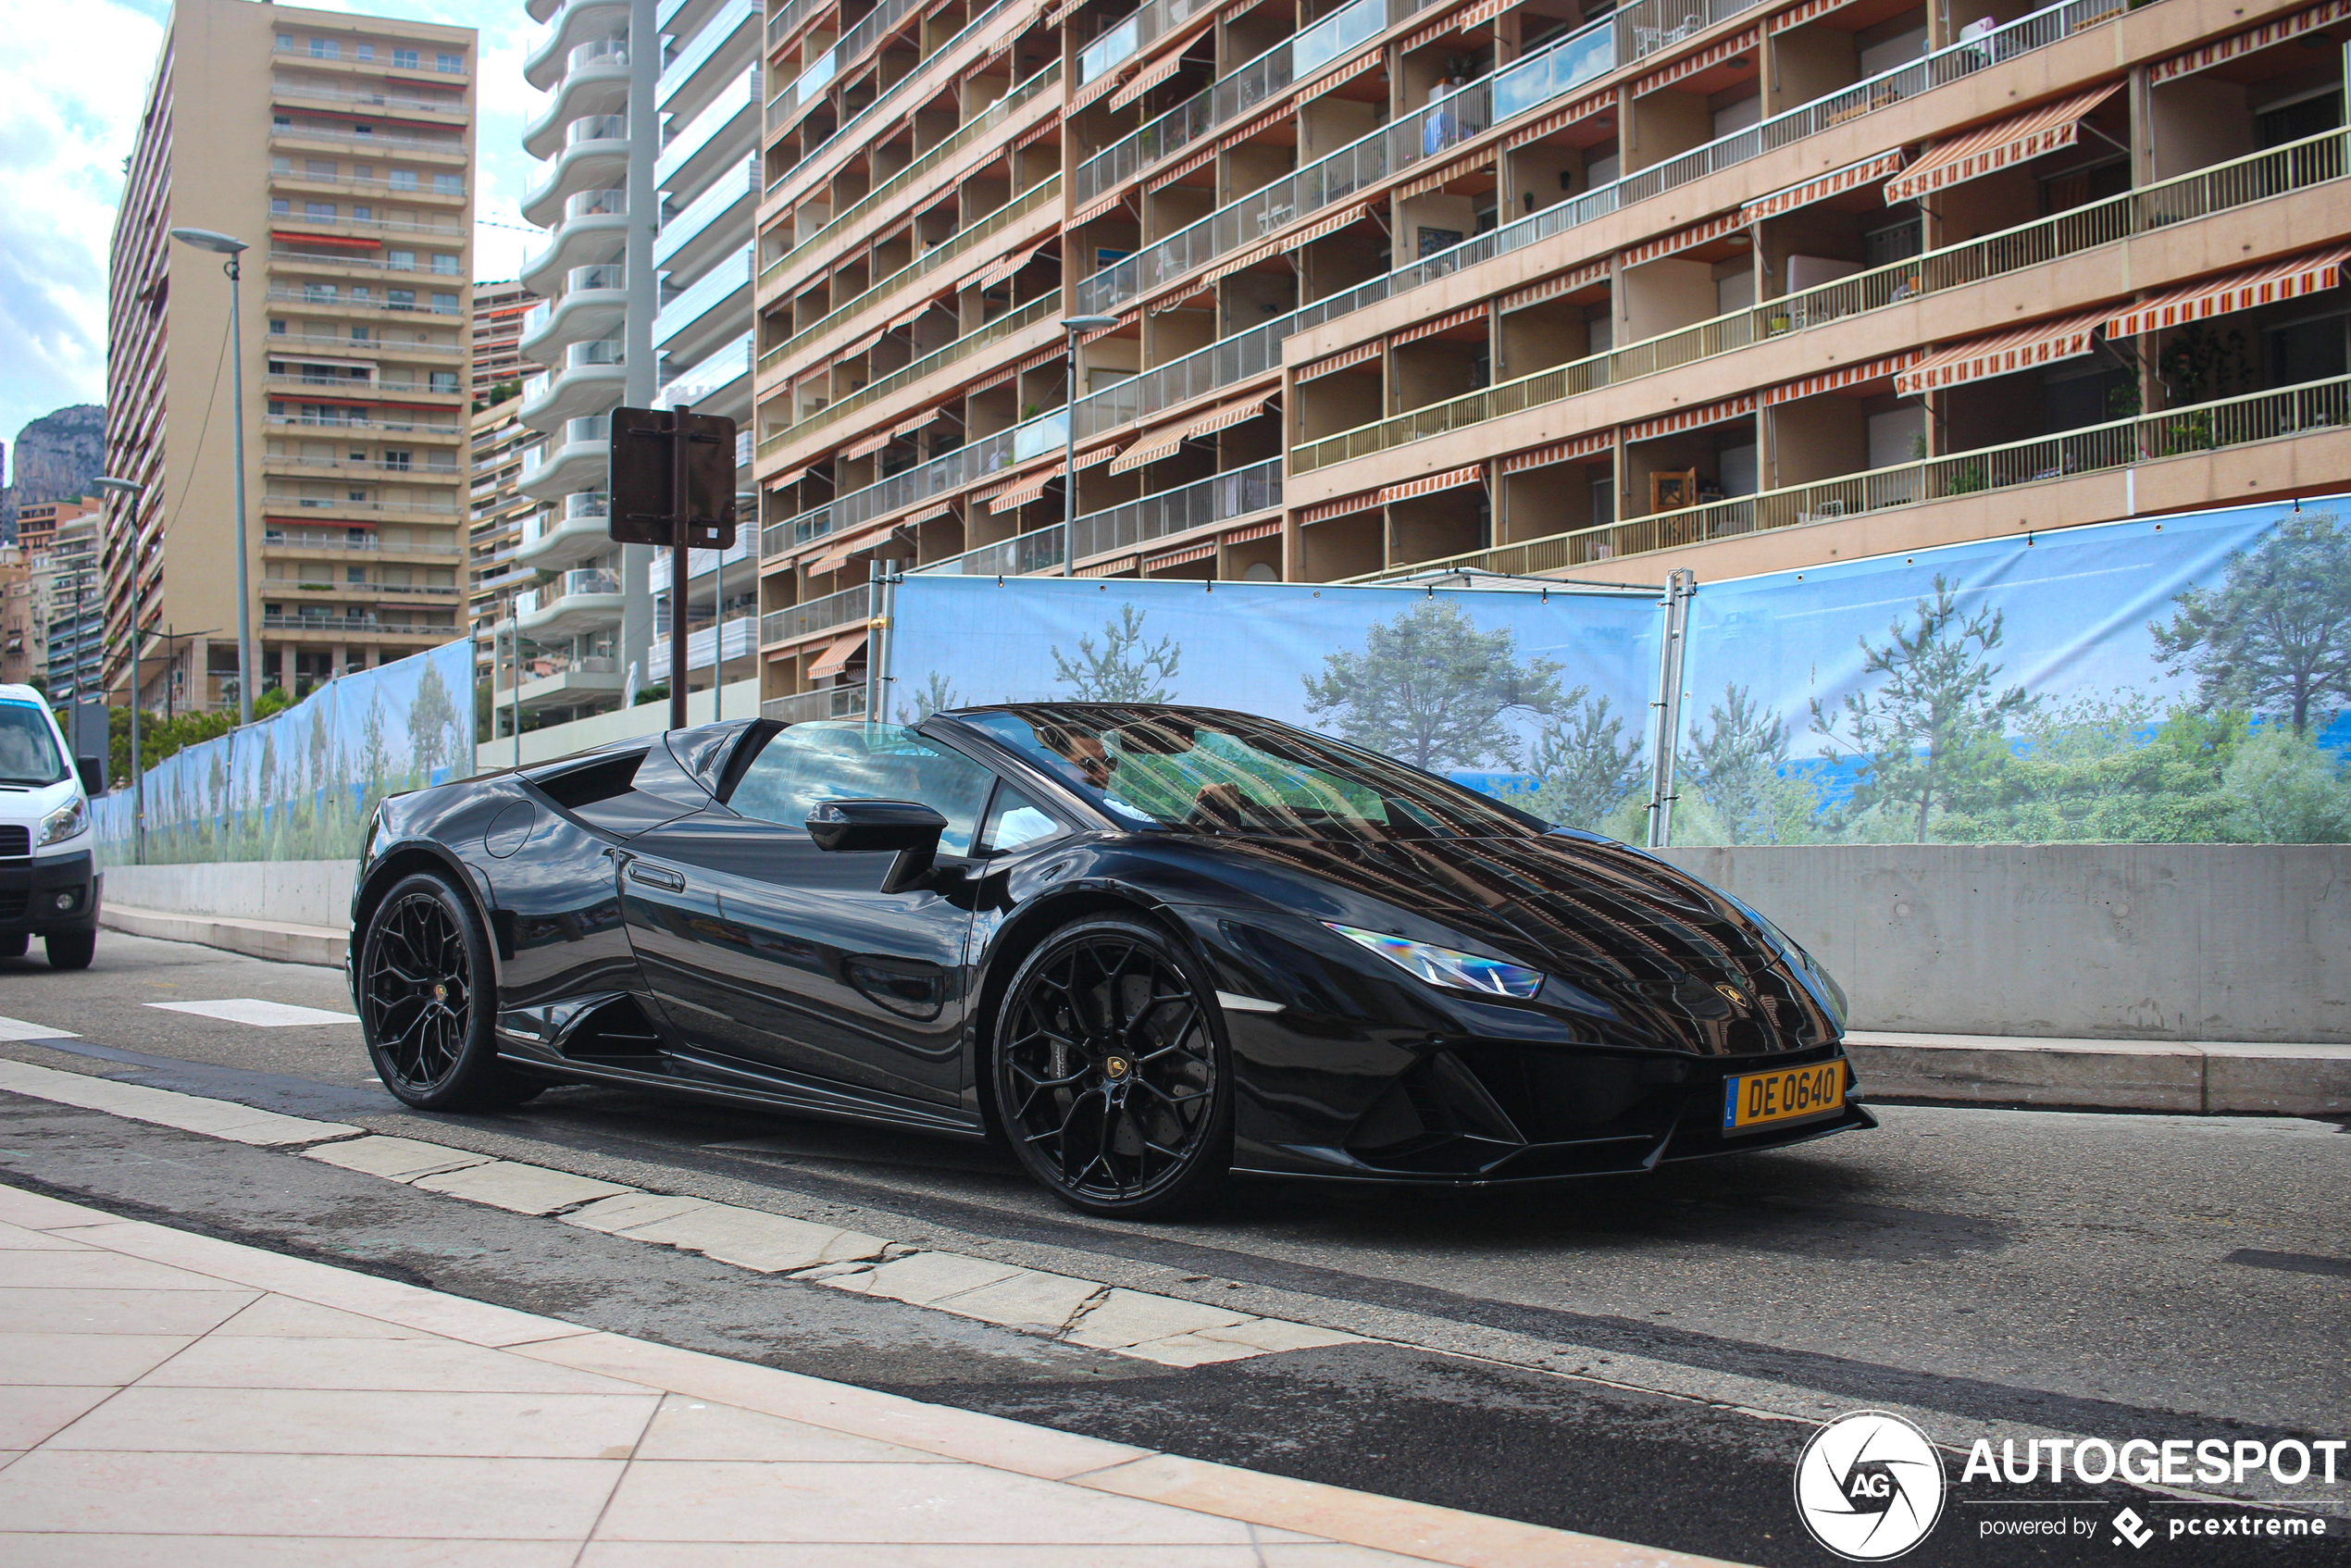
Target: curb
point(256, 938)
point(2183, 1078)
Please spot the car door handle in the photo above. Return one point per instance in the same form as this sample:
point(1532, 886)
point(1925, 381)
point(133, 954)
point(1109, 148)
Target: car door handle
point(654, 875)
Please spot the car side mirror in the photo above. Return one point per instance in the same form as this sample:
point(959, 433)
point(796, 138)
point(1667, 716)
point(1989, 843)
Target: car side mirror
point(92, 771)
point(908, 827)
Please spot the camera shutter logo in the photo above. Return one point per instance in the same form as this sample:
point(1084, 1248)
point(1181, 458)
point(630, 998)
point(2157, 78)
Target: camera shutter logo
point(1868, 1485)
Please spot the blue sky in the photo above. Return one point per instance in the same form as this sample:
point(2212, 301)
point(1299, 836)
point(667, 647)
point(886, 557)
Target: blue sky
point(72, 78)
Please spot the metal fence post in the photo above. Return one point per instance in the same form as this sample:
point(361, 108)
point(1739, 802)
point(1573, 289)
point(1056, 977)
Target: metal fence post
point(1666, 738)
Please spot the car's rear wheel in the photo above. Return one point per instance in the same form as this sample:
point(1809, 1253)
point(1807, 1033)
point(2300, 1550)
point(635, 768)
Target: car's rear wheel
point(427, 1001)
point(1111, 1075)
point(69, 949)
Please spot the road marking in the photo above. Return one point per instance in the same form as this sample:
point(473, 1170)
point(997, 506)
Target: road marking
point(261, 1015)
point(17, 1028)
point(188, 1112)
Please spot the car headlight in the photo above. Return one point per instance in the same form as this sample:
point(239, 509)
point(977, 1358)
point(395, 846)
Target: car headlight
point(1444, 966)
point(63, 823)
point(1839, 1008)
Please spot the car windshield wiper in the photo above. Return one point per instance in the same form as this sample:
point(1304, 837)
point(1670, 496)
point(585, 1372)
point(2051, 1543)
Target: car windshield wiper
point(34, 783)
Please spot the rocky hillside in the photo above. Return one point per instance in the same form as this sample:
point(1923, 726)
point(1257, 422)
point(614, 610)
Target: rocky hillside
point(53, 457)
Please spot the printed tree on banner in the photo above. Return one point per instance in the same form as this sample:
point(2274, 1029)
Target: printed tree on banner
point(936, 695)
point(432, 718)
point(1431, 689)
point(1125, 670)
point(1933, 729)
point(1586, 763)
point(1735, 760)
point(2275, 636)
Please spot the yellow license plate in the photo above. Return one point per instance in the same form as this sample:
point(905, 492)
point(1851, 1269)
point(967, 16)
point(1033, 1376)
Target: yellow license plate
point(1791, 1094)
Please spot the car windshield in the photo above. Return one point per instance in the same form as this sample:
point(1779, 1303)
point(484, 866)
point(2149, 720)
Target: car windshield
point(1201, 771)
point(29, 753)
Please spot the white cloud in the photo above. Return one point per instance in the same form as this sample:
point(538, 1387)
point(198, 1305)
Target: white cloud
point(73, 78)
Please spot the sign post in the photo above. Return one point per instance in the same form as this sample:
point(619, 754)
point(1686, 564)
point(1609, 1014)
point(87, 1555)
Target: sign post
point(672, 484)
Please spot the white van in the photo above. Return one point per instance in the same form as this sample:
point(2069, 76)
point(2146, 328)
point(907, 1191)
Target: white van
point(49, 879)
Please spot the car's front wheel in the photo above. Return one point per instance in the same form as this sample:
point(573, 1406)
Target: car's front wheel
point(427, 999)
point(1111, 1075)
point(69, 949)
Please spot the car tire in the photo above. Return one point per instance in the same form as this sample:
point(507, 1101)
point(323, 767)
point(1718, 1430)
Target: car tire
point(1110, 1075)
point(69, 949)
point(427, 1001)
point(15, 946)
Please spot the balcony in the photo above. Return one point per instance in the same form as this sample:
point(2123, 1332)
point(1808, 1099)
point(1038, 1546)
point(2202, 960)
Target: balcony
point(716, 32)
point(727, 132)
point(832, 701)
point(723, 213)
point(573, 531)
point(802, 94)
point(581, 21)
point(715, 306)
point(797, 621)
point(713, 379)
point(589, 380)
point(582, 599)
point(699, 563)
point(595, 158)
point(967, 465)
point(594, 228)
point(579, 679)
point(595, 82)
point(1038, 312)
point(366, 626)
point(575, 462)
point(733, 636)
point(593, 303)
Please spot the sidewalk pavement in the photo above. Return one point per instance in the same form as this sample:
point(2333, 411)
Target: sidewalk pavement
point(172, 1397)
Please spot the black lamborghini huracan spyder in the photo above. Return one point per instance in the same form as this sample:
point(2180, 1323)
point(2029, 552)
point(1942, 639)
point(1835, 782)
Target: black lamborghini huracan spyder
point(1144, 947)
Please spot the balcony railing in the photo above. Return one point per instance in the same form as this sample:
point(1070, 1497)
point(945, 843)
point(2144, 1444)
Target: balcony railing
point(716, 29)
point(712, 373)
point(693, 302)
point(2178, 432)
point(834, 702)
point(1213, 500)
point(343, 539)
point(708, 125)
point(888, 97)
point(2298, 166)
point(453, 105)
point(452, 145)
point(817, 615)
point(971, 131)
point(966, 465)
point(357, 301)
point(365, 624)
point(678, 230)
point(930, 261)
point(1042, 308)
point(798, 96)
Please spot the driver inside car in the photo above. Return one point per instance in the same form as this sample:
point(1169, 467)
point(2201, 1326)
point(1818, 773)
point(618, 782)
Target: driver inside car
point(1094, 765)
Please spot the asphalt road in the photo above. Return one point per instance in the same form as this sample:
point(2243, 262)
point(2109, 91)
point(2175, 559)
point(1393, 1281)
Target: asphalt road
point(1642, 1359)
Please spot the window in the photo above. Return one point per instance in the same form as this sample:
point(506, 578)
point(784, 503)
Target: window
point(318, 209)
point(445, 305)
point(404, 178)
point(1012, 821)
point(400, 299)
point(279, 206)
point(448, 63)
point(400, 460)
point(401, 261)
point(362, 171)
point(325, 49)
point(280, 122)
point(359, 293)
point(847, 760)
point(444, 381)
point(318, 293)
point(285, 41)
point(363, 129)
point(361, 215)
point(277, 327)
point(2282, 123)
point(359, 334)
point(355, 574)
point(319, 169)
point(280, 164)
point(354, 495)
point(445, 264)
point(449, 184)
point(404, 60)
point(363, 51)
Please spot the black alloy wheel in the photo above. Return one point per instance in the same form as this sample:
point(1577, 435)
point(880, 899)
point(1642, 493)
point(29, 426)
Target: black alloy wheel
point(425, 996)
point(1110, 1073)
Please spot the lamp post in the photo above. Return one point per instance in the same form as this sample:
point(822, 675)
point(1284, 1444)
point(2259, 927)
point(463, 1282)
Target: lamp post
point(230, 247)
point(128, 491)
point(1075, 326)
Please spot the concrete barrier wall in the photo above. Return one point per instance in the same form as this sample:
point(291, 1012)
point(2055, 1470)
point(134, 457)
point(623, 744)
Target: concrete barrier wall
point(2098, 941)
point(298, 892)
point(2113, 942)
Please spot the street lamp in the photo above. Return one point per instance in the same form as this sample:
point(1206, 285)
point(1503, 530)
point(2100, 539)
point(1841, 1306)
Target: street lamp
point(1075, 326)
point(230, 247)
point(128, 491)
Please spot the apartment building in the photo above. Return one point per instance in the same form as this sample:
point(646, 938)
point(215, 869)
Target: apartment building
point(493, 575)
point(498, 312)
point(649, 199)
point(71, 582)
point(354, 194)
point(37, 521)
point(1393, 287)
point(24, 644)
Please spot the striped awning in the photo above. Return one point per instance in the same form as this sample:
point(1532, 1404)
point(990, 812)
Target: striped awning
point(1692, 418)
point(1039, 131)
point(1062, 12)
point(917, 422)
point(2237, 290)
point(1696, 234)
point(834, 659)
point(1102, 454)
point(1248, 531)
point(1796, 15)
point(997, 272)
point(1551, 288)
point(1111, 568)
point(1843, 376)
point(870, 445)
point(1150, 449)
point(2002, 354)
point(1473, 474)
point(1445, 176)
point(1560, 451)
point(1712, 54)
point(1460, 21)
point(785, 481)
point(2276, 31)
point(1042, 357)
point(1347, 72)
point(1560, 119)
point(1323, 511)
point(940, 510)
point(1231, 414)
point(1821, 187)
point(1150, 77)
point(1341, 361)
point(832, 560)
point(1093, 90)
point(862, 344)
point(1020, 493)
point(1161, 443)
point(1126, 318)
point(1178, 558)
point(1444, 323)
point(1095, 209)
point(1321, 227)
point(1994, 146)
point(909, 318)
point(1263, 122)
point(1167, 177)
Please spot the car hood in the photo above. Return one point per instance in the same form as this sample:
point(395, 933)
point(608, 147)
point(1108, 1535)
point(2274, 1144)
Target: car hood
point(1653, 955)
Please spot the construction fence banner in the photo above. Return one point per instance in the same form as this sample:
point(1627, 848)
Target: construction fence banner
point(1539, 694)
point(302, 783)
point(2181, 678)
